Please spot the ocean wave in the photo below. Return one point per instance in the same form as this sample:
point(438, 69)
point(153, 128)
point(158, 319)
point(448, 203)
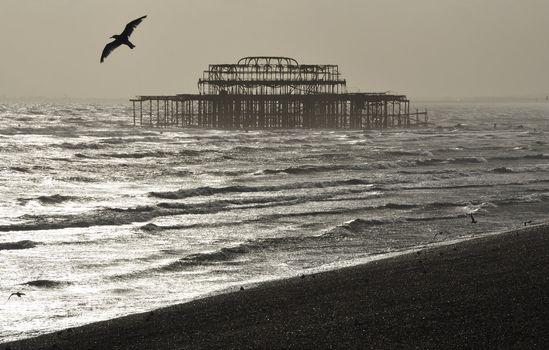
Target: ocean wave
point(200, 191)
point(354, 227)
point(124, 216)
point(80, 155)
point(502, 170)
point(153, 228)
point(36, 112)
point(257, 202)
point(260, 202)
point(303, 169)
point(461, 160)
point(43, 283)
point(229, 255)
point(61, 131)
point(465, 160)
point(435, 218)
point(23, 119)
point(124, 141)
point(440, 205)
point(218, 256)
point(137, 155)
point(152, 154)
point(150, 227)
point(309, 169)
point(75, 119)
point(424, 153)
point(526, 156)
point(537, 156)
point(429, 171)
point(396, 206)
point(253, 201)
point(479, 185)
point(190, 153)
point(477, 207)
point(227, 172)
point(48, 200)
point(180, 172)
point(453, 187)
point(121, 290)
point(377, 165)
point(538, 181)
point(101, 217)
point(20, 169)
point(541, 196)
point(78, 146)
point(246, 149)
point(210, 191)
point(25, 244)
point(79, 179)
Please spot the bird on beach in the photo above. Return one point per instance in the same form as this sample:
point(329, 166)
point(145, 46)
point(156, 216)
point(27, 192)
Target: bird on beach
point(437, 234)
point(19, 294)
point(122, 38)
point(473, 220)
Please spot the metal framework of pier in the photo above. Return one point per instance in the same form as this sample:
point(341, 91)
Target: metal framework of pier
point(275, 92)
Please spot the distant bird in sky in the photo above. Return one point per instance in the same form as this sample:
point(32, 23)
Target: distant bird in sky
point(122, 38)
point(16, 293)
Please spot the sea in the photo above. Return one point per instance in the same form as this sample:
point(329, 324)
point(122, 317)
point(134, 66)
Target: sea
point(100, 219)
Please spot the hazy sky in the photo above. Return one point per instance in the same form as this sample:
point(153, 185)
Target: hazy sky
point(422, 48)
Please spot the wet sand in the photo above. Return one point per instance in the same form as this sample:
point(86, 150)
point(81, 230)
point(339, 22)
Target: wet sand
point(489, 292)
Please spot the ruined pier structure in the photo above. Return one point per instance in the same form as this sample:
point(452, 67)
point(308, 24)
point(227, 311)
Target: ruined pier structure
point(275, 92)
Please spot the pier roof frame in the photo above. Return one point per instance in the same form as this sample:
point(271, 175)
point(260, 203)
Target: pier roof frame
point(247, 61)
point(271, 75)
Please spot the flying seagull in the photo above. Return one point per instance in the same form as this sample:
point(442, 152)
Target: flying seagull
point(16, 293)
point(122, 38)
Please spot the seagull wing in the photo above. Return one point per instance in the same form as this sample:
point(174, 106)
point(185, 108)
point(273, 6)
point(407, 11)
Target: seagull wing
point(109, 48)
point(131, 26)
point(12, 294)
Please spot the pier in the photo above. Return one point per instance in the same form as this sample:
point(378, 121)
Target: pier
point(275, 92)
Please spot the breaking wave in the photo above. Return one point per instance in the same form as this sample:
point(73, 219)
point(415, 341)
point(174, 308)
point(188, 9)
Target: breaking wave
point(436, 218)
point(43, 283)
point(79, 146)
point(462, 160)
point(354, 227)
point(527, 156)
point(209, 191)
point(20, 169)
point(377, 165)
point(304, 169)
point(48, 200)
point(157, 154)
point(409, 153)
point(502, 170)
point(526, 198)
point(152, 154)
point(25, 244)
point(234, 255)
point(109, 217)
point(150, 227)
point(221, 255)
